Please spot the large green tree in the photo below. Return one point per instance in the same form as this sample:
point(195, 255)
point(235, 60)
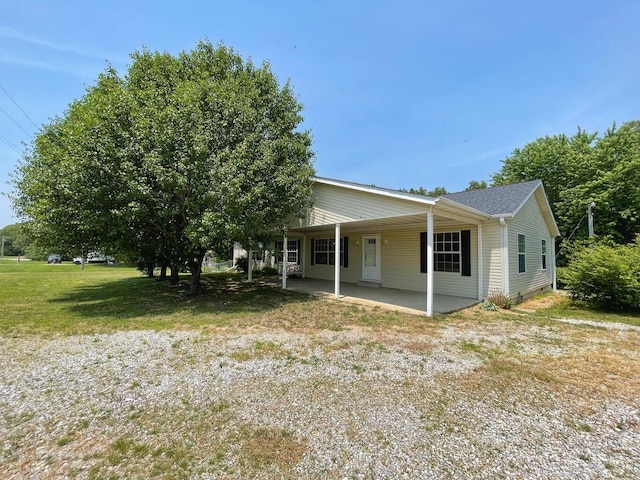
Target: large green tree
point(582, 169)
point(181, 155)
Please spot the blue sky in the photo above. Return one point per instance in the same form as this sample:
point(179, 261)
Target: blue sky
point(396, 94)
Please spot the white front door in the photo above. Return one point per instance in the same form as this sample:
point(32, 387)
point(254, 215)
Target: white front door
point(371, 258)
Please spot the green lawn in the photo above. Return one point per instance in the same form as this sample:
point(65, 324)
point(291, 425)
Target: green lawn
point(38, 298)
point(567, 308)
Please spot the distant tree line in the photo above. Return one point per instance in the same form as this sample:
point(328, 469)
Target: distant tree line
point(582, 169)
point(577, 171)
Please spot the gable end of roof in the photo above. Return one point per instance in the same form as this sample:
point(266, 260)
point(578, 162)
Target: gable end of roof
point(501, 201)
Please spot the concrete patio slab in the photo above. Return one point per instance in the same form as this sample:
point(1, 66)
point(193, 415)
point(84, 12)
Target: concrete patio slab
point(389, 298)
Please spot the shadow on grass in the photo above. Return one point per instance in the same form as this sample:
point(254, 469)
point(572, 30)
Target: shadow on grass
point(130, 298)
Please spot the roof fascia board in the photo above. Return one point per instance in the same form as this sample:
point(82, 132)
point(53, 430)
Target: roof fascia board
point(374, 191)
point(540, 186)
point(526, 199)
point(556, 232)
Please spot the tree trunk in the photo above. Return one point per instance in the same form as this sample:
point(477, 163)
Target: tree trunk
point(174, 275)
point(163, 271)
point(195, 267)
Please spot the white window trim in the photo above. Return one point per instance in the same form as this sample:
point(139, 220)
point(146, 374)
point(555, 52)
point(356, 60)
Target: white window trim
point(543, 254)
point(292, 248)
point(524, 254)
point(458, 252)
point(329, 251)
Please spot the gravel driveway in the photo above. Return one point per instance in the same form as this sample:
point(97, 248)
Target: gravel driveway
point(497, 400)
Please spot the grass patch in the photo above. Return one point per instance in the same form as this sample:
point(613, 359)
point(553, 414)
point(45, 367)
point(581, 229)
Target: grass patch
point(265, 447)
point(39, 298)
point(567, 308)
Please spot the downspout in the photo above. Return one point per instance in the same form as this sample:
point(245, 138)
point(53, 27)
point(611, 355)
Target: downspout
point(553, 265)
point(336, 261)
point(480, 265)
point(504, 244)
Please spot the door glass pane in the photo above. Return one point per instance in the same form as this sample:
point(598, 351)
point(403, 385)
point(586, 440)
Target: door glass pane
point(370, 253)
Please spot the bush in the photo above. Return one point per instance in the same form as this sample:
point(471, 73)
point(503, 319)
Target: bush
point(489, 306)
point(498, 298)
point(243, 264)
point(605, 275)
point(270, 270)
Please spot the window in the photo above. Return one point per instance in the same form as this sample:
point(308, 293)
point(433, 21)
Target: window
point(522, 261)
point(544, 254)
point(451, 252)
point(292, 251)
point(446, 252)
point(324, 251)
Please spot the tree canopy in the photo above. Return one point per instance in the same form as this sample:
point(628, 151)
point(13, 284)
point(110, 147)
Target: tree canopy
point(181, 155)
point(582, 169)
point(436, 192)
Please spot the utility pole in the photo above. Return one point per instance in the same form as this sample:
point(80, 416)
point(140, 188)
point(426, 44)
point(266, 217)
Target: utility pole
point(592, 205)
point(2, 249)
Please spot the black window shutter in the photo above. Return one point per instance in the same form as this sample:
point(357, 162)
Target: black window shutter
point(346, 252)
point(298, 249)
point(423, 252)
point(313, 252)
point(465, 246)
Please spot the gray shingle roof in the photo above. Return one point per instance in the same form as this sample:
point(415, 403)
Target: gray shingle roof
point(503, 200)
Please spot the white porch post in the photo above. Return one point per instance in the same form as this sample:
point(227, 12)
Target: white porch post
point(505, 256)
point(285, 254)
point(553, 263)
point(337, 262)
point(429, 263)
point(302, 253)
point(249, 265)
point(480, 270)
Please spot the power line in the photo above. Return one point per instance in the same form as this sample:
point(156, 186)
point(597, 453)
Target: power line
point(16, 103)
point(14, 121)
point(10, 144)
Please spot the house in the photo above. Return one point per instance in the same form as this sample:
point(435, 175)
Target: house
point(464, 244)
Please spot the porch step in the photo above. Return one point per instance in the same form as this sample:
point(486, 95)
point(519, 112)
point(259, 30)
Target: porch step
point(369, 284)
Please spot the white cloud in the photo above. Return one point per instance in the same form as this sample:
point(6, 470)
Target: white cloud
point(83, 72)
point(84, 51)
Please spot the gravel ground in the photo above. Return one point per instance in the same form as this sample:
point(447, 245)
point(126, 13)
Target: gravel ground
point(458, 402)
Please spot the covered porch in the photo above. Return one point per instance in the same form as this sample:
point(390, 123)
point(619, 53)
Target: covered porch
point(388, 298)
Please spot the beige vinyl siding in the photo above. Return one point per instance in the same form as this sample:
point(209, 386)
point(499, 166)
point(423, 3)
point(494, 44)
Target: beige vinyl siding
point(340, 205)
point(492, 257)
point(454, 283)
point(529, 222)
point(351, 274)
point(399, 262)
